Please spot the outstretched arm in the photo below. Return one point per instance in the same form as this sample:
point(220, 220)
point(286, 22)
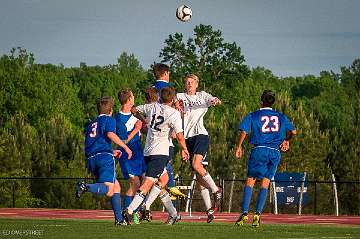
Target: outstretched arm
point(284, 146)
point(138, 114)
point(238, 151)
point(215, 101)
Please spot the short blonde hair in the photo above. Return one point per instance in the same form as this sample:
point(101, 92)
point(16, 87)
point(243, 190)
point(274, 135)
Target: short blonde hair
point(192, 76)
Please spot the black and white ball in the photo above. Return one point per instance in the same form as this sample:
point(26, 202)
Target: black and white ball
point(183, 13)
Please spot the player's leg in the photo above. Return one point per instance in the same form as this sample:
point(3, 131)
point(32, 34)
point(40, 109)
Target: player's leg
point(169, 206)
point(247, 193)
point(199, 145)
point(260, 202)
point(155, 167)
point(116, 204)
point(205, 194)
point(156, 189)
point(102, 167)
point(206, 180)
point(272, 159)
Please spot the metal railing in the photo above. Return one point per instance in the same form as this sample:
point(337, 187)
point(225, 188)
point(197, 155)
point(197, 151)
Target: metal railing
point(58, 192)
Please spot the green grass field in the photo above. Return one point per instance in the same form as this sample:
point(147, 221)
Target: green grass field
point(69, 228)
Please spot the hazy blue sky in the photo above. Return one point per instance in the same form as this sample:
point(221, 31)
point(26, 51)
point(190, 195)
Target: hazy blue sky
point(289, 37)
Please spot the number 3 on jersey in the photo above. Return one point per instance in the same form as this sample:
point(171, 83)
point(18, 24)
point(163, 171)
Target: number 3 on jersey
point(156, 121)
point(266, 120)
point(93, 130)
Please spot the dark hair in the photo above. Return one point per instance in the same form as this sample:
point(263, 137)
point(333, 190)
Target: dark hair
point(159, 69)
point(151, 94)
point(105, 105)
point(268, 98)
point(167, 94)
point(124, 95)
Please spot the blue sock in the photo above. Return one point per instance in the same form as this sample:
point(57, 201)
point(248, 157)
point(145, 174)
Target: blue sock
point(261, 200)
point(246, 199)
point(127, 200)
point(98, 188)
point(116, 206)
point(170, 171)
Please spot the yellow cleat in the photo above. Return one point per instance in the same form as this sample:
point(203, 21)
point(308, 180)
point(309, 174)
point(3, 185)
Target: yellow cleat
point(173, 198)
point(242, 219)
point(256, 220)
point(174, 191)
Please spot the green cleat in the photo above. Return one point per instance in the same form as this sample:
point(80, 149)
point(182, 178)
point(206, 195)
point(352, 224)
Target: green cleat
point(136, 218)
point(242, 219)
point(256, 220)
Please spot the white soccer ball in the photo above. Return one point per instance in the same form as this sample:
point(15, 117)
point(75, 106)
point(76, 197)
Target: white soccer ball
point(183, 13)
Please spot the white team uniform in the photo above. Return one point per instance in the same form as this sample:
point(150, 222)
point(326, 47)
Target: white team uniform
point(163, 118)
point(195, 107)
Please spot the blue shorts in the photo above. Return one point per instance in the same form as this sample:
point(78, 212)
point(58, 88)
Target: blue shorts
point(263, 162)
point(102, 166)
point(198, 144)
point(136, 165)
point(155, 165)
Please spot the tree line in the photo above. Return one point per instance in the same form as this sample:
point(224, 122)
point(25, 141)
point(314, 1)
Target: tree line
point(44, 108)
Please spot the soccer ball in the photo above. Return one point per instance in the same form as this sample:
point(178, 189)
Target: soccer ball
point(183, 13)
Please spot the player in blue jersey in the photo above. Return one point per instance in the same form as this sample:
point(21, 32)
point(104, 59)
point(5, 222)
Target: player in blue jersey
point(162, 74)
point(269, 132)
point(99, 136)
point(127, 128)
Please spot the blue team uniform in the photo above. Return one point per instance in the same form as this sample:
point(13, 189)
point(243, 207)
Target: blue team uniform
point(98, 148)
point(159, 84)
point(125, 123)
point(267, 129)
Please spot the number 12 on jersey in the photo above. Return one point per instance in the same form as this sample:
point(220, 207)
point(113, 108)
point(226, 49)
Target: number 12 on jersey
point(266, 121)
point(156, 121)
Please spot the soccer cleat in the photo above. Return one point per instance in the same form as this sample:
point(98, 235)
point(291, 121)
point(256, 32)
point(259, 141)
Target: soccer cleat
point(120, 223)
point(178, 218)
point(127, 217)
point(173, 198)
point(136, 218)
point(80, 189)
point(256, 220)
point(217, 199)
point(242, 219)
point(210, 215)
point(147, 215)
point(174, 191)
point(171, 220)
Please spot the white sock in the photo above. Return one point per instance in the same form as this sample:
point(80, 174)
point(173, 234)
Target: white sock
point(205, 194)
point(165, 198)
point(135, 203)
point(154, 193)
point(208, 179)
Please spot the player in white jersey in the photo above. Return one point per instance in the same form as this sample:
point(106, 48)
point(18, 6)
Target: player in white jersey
point(163, 118)
point(194, 106)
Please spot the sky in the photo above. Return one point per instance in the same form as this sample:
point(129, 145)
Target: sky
point(288, 37)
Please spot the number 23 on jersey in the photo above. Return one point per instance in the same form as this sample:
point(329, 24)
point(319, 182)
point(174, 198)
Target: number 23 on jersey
point(266, 127)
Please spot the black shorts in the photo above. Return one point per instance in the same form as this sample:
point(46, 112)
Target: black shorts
point(198, 144)
point(155, 165)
